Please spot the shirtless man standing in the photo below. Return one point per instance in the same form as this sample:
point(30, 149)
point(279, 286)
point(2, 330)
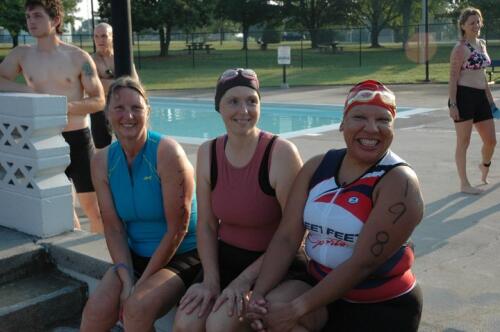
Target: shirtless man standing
point(54, 67)
point(104, 60)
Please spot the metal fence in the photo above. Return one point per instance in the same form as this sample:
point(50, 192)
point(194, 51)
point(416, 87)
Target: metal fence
point(350, 46)
point(439, 32)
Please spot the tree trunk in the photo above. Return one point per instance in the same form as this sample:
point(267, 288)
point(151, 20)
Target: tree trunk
point(406, 12)
point(376, 19)
point(374, 33)
point(246, 28)
point(168, 38)
point(15, 40)
point(314, 38)
point(15, 37)
point(162, 41)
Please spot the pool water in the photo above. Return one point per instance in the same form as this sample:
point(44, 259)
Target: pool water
point(195, 121)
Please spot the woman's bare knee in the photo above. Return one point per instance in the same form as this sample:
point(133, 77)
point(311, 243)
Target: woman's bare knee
point(288, 290)
point(188, 323)
point(137, 309)
point(99, 312)
point(220, 321)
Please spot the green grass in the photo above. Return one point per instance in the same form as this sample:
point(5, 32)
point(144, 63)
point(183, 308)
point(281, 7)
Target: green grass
point(389, 64)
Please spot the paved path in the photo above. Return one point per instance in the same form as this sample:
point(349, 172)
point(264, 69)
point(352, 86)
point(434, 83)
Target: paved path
point(458, 241)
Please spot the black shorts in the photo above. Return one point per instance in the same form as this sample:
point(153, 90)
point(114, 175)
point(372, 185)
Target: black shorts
point(186, 265)
point(473, 104)
point(234, 260)
point(400, 314)
point(100, 130)
point(80, 153)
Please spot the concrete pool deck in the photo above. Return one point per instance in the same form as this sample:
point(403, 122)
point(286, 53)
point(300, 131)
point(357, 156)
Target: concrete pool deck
point(457, 242)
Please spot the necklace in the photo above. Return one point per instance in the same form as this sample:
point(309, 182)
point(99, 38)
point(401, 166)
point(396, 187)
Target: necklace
point(109, 68)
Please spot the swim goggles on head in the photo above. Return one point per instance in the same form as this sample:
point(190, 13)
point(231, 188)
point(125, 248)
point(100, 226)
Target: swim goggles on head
point(373, 93)
point(233, 73)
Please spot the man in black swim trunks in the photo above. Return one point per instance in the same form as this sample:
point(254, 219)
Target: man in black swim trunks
point(54, 67)
point(104, 60)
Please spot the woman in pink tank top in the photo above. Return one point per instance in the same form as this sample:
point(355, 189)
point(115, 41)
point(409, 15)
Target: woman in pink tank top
point(243, 180)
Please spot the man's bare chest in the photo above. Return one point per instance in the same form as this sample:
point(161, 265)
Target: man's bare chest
point(47, 72)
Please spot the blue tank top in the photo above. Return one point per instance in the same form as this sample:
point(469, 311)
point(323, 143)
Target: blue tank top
point(138, 198)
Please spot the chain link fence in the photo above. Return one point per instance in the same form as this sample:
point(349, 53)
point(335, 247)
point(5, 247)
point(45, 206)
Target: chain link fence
point(342, 47)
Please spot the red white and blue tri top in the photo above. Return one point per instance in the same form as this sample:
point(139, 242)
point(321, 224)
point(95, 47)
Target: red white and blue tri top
point(477, 59)
point(334, 216)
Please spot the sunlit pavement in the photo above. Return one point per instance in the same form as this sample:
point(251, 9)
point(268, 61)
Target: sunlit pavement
point(457, 242)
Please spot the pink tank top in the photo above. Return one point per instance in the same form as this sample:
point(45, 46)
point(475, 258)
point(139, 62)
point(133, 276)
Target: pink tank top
point(248, 216)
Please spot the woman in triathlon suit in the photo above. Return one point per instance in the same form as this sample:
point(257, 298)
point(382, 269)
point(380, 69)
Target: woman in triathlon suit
point(358, 206)
point(470, 100)
point(242, 182)
point(145, 186)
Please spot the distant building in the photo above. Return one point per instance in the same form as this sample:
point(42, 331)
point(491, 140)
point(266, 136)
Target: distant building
point(5, 37)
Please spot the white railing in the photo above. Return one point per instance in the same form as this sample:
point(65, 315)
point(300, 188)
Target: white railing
point(35, 194)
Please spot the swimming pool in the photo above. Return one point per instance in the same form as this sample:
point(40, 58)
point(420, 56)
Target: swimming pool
point(195, 121)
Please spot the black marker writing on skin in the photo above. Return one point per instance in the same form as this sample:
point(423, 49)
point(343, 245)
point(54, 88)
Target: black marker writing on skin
point(381, 239)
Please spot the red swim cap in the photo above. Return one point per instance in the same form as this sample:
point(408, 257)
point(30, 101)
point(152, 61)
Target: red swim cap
point(371, 92)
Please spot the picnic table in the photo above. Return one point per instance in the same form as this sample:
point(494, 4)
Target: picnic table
point(332, 47)
point(199, 47)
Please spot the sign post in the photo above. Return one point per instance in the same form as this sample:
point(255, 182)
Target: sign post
point(284, 58)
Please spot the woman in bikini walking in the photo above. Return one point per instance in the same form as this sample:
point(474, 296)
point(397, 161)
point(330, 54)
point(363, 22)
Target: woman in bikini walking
point(470, 100)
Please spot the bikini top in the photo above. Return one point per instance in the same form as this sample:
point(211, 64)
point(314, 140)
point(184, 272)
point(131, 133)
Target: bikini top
point(476, 59)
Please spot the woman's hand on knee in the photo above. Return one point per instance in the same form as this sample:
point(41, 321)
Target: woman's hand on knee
point(235, 295)
point(201, 295)
point(255, 311)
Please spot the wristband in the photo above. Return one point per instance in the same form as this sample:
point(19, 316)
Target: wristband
point(450, 104)
point(495, 111)
point(118, 266)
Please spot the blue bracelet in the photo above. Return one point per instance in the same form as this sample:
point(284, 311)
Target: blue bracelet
point(495, 111)
point(118, 266)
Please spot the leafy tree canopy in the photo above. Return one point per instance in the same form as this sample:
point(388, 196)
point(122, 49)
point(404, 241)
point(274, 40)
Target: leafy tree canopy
point(164, 16)
point(12, 15)
point(314, 15)
point(247, 13)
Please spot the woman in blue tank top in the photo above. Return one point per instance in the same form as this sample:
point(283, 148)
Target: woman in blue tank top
point(145, 184)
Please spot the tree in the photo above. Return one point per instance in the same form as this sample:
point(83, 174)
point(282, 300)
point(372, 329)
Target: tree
point(182, 14)
point(491, 14)
point(314, 15)
point(378, 14)
point(407, 8)
point(247, 13)
point(12, 16)
point(164, 16)
point(411, 13)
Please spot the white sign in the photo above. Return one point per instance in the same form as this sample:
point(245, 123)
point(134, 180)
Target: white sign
point(284, 55)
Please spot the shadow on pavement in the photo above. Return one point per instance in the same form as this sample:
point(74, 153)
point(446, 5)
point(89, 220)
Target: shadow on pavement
point(445, 218)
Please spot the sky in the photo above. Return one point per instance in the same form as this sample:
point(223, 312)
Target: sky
point(84, 8)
